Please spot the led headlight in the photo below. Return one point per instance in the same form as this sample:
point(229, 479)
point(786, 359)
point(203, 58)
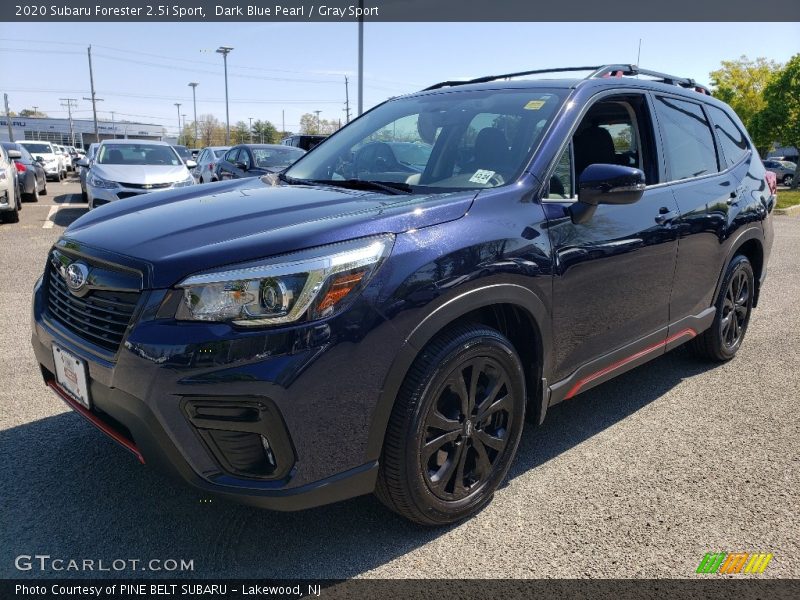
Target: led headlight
point(99, 182)
point(313, 283)
point(183, 183)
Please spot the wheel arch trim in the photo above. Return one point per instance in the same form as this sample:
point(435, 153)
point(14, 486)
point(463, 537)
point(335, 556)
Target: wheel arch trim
point(443, 315)
point(751, 233)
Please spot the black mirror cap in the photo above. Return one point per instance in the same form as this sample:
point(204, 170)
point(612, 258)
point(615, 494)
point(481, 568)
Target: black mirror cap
point(610, 184)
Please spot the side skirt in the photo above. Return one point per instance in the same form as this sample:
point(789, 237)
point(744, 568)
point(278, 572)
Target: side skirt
point(630, 356)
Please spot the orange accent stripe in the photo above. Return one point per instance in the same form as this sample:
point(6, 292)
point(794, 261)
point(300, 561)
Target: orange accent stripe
point(621, 363)
point(94, 420)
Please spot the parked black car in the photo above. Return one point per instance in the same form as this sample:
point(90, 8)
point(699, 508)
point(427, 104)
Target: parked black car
point(31, 174)
point(304, 142)
point(255, 160)
point(357, 326)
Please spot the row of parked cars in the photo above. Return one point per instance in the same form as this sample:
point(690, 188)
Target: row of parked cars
point(116, 169)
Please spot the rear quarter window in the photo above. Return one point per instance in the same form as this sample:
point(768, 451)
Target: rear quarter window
point(732, 140)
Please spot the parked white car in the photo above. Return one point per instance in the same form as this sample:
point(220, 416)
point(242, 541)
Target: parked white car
point(10, 197)
point(51, 159)
point(84, 164)
point(126, 168)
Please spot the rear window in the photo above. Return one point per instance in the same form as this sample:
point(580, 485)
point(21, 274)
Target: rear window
point(40, 148)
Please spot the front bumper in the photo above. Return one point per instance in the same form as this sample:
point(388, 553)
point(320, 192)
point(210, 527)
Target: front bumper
point(98, 195)
point(321, 387)
point(51, 169)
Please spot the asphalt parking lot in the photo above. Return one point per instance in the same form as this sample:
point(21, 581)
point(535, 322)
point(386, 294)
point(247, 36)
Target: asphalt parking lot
point(639, 477)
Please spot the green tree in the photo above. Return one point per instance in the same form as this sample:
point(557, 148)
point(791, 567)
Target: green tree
point(264, 132)
point(240, 133)
point(779, 119)
point(29, 112)
point(741, 83)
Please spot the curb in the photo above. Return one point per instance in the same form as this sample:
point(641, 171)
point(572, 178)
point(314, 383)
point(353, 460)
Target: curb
point(791, 210)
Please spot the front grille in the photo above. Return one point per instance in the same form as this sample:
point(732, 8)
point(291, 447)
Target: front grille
point(123, 195)
point(146, 186)
point(99, 317)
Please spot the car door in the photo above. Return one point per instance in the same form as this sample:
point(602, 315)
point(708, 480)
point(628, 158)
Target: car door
point(612, 273)
point(226, 167)
point(707, 193)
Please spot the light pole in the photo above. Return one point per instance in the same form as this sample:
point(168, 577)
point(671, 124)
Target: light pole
point(178, 104)
point(251, 129)
point(194, 85)
point(225, 50)
point(318, 127)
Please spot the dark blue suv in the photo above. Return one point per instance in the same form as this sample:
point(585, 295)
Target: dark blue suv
point(387, 313)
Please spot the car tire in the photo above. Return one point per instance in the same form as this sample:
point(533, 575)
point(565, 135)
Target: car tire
point(44, 188)
point(734, 304)
point(12, 216)
point(34, 195)
point(454, 428)
point(84, 196)
point(787, 180)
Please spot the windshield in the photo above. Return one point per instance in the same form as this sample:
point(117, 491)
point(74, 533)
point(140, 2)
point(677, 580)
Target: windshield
point(276, 157)
point(183, 152)
point(788, 164)
point(451, 140)
point(137, 154)
point(39, 148)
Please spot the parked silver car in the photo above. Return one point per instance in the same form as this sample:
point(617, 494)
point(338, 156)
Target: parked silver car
point(783, 169)
point(126, 168)
point(206, 169)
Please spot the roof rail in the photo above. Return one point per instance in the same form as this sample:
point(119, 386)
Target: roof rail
point(604, 71)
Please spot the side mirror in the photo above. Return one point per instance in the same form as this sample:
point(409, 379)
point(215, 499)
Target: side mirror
point(82, 162)
point(240, 165)
point(191, 164)
point(39, 159)
point(606, 184)
point(14, 154)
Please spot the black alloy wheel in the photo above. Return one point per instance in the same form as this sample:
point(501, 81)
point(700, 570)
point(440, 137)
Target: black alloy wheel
point(734, 304)
point(454, 428)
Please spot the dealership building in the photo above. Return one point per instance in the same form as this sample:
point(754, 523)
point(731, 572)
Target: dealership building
point(58, 130)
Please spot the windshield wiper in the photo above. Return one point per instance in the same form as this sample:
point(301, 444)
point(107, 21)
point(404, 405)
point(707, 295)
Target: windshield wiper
point(389, 187)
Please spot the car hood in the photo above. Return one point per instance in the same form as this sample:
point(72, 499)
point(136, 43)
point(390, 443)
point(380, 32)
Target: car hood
point(141, 174)
point(172, 234)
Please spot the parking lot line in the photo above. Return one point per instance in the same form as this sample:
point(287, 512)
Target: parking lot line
point(49, 222)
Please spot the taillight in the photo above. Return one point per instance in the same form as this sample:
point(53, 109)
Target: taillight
point(20, 167)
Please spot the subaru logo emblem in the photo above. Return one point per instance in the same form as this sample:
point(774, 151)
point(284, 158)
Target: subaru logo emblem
point(76, 276)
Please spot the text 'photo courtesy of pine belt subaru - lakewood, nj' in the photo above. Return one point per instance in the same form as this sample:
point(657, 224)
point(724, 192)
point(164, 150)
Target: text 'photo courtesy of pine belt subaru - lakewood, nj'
point(361, 323)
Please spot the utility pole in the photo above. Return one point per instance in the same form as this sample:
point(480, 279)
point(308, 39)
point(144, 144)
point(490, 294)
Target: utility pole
point(347, 98)
point(113, 125)
point(225, 50)
point(183, 128)
point(93, 98)
point(178, 104)
point(69, 106)
point(318, 127)
point(361, 58)
point(35, 111)
point(8, 120)
point(194, 85)
point(283, 122)
point(251, 129)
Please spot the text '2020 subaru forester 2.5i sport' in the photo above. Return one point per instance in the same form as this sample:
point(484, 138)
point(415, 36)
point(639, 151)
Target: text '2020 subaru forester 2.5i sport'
point(385, 314)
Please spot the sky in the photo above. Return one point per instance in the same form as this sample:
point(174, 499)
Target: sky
point(282, 70)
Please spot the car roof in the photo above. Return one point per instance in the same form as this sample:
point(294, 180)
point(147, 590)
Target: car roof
point(131, 141)
point(281, 146)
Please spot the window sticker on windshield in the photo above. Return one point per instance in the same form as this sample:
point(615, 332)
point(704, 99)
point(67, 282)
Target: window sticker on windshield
point(481, 176)
point(534, 105)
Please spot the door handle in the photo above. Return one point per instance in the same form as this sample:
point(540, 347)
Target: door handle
point(665, 215)
point(733, 199)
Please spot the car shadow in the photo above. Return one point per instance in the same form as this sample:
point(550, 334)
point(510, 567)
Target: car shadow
point(65, 216)
point(69, 492)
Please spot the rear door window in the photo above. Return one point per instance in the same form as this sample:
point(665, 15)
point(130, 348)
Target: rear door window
point(688, 142)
